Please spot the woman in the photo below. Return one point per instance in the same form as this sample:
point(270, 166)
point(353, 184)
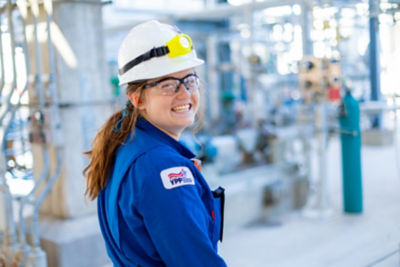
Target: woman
point(154, 206)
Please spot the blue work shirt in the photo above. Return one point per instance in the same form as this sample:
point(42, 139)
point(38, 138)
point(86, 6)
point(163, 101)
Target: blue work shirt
point(157, 209)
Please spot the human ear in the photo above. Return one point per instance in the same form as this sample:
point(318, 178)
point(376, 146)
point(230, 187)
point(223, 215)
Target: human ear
point(135, 99)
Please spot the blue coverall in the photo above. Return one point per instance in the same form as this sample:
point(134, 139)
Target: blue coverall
point(157, 209)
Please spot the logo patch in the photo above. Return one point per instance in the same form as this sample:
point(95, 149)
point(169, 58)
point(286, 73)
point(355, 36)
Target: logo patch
point(176, 176)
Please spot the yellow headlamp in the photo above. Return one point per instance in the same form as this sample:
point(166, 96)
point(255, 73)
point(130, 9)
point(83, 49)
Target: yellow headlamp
point(180, 45)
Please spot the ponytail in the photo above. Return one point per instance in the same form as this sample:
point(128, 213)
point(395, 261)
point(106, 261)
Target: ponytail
point(112, 135)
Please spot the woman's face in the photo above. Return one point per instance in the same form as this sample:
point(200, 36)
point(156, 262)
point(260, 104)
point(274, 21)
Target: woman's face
point(171, 113)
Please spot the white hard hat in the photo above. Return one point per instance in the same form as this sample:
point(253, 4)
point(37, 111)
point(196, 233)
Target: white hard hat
point(153, 49)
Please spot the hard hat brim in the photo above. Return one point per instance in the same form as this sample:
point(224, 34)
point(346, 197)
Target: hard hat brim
point(164, 66)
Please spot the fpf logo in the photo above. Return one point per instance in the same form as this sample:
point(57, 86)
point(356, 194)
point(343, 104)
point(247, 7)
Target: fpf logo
point(176, 176)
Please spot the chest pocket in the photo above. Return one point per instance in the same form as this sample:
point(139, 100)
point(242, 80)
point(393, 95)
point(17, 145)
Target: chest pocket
point(219, 205)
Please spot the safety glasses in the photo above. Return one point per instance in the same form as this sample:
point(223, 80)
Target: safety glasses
point(170, 85)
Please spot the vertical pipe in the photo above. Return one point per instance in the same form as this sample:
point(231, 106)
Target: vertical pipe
point(14, 70)
point(13, 110)
point(55, 123)
point(374, 57)
point(24, 248)
point(251, 91)
point(2, 81)
point(10, 236)
point(318, 204)
point(322, 144)
point(213, 96)
point(38, 76)
point(305, 28)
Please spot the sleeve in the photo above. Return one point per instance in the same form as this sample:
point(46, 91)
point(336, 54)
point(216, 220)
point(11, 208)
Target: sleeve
point(173, 211)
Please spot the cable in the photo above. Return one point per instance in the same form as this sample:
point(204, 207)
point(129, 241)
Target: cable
point(384, 257)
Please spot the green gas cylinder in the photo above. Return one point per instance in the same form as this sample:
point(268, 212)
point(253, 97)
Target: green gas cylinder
point(350, 137)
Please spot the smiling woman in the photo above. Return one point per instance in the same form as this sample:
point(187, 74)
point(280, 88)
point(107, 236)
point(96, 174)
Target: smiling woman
point(171, 103)
point(152, 198)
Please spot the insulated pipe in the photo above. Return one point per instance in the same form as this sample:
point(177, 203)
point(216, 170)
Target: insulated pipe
point(38, 77)
point(305, 31)
point(3, 185)
point(24, 248)
point(36, 256)
point(55, 122)
point(11, 235)
point(2, 81)
point(9, 244)
point(25, 200)
point(374, 65)
point(14, 71)
point(252, 90)
point(39, 201)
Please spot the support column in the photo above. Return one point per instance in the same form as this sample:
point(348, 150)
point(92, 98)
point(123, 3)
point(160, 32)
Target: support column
point(374, 64)
point(84, 95)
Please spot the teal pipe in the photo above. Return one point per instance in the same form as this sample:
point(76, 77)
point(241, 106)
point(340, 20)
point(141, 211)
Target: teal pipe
point(350, 137)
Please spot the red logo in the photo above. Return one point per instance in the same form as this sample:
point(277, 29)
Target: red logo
point(180, 174)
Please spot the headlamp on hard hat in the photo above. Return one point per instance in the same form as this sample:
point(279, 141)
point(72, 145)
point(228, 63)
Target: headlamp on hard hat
point(180, 45)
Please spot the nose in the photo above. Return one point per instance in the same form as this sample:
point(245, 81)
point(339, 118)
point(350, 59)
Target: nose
point(185, 91)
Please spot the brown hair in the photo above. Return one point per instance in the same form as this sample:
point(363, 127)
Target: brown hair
point(106, 143)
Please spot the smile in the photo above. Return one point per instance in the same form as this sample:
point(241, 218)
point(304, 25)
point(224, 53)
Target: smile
point(182, 108)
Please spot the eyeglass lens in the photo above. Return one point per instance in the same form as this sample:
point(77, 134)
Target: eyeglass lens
point(171, 85)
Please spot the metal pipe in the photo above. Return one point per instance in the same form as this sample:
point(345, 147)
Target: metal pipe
point(10, 232)
point(39, 201)
point(14, 71)
point(55, 122)
point(2, 81)
point(323, 204)
point(305, 32)
point(38, 77)
point(12, 41)
point(24, 248)
point(13, 108)
point(216, 13)
point(105, 2)
point(374, 65)
point(25, 200)
point(226, 10)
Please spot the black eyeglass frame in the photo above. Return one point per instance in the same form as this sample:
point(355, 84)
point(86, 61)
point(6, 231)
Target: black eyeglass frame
point(181, 81)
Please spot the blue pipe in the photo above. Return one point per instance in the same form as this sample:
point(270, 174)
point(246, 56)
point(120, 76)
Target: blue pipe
point(375, 81)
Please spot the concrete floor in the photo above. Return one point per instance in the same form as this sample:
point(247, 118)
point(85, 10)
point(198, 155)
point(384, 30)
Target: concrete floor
point(369, 239)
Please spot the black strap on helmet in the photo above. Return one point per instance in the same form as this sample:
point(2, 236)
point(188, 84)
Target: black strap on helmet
point(154, 52)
